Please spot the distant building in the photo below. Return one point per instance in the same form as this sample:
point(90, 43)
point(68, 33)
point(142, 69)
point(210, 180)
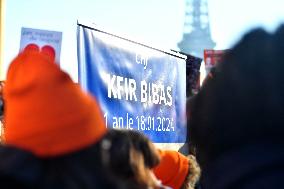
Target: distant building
point(196, 36)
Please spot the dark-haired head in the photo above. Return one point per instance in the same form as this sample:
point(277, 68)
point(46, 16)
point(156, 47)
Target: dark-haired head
point(129, 157)
point(244, 102)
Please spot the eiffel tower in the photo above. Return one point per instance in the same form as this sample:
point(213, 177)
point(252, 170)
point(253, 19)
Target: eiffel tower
point(196, 36)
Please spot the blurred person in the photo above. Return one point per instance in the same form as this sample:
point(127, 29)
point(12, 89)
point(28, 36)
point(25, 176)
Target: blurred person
point(191, 148)
point(2, 83)
point(176, 170)
point(52, 128)
point(1, 100)
point(1, 112)
point(237, 118)
point(130, 156)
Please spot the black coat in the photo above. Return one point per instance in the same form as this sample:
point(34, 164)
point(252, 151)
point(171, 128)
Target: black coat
point(19, 169)
point(258, 166)
point(22, 170)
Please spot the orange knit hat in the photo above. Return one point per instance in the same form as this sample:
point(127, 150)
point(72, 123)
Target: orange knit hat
point(173, 168)
point(45, 112)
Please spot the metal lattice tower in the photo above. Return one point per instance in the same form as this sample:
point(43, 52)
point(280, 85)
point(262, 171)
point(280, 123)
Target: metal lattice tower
point(196, 35)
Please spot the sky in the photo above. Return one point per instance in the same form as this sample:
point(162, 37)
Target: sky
point(158, 23)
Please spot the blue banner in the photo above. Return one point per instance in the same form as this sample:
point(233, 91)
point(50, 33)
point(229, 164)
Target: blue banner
point(138, 87)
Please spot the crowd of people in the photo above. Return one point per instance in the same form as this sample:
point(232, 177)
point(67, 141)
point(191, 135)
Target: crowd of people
point(55, 135)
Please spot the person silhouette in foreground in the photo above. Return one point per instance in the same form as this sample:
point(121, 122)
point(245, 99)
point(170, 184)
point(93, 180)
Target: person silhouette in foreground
point(52, 128)
point(237, 119)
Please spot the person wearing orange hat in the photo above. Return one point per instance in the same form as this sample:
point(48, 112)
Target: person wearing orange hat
point(46, 112)
point(176, 170)
point(52, 127)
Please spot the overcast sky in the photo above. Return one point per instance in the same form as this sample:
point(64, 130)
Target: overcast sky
point(157, 22)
